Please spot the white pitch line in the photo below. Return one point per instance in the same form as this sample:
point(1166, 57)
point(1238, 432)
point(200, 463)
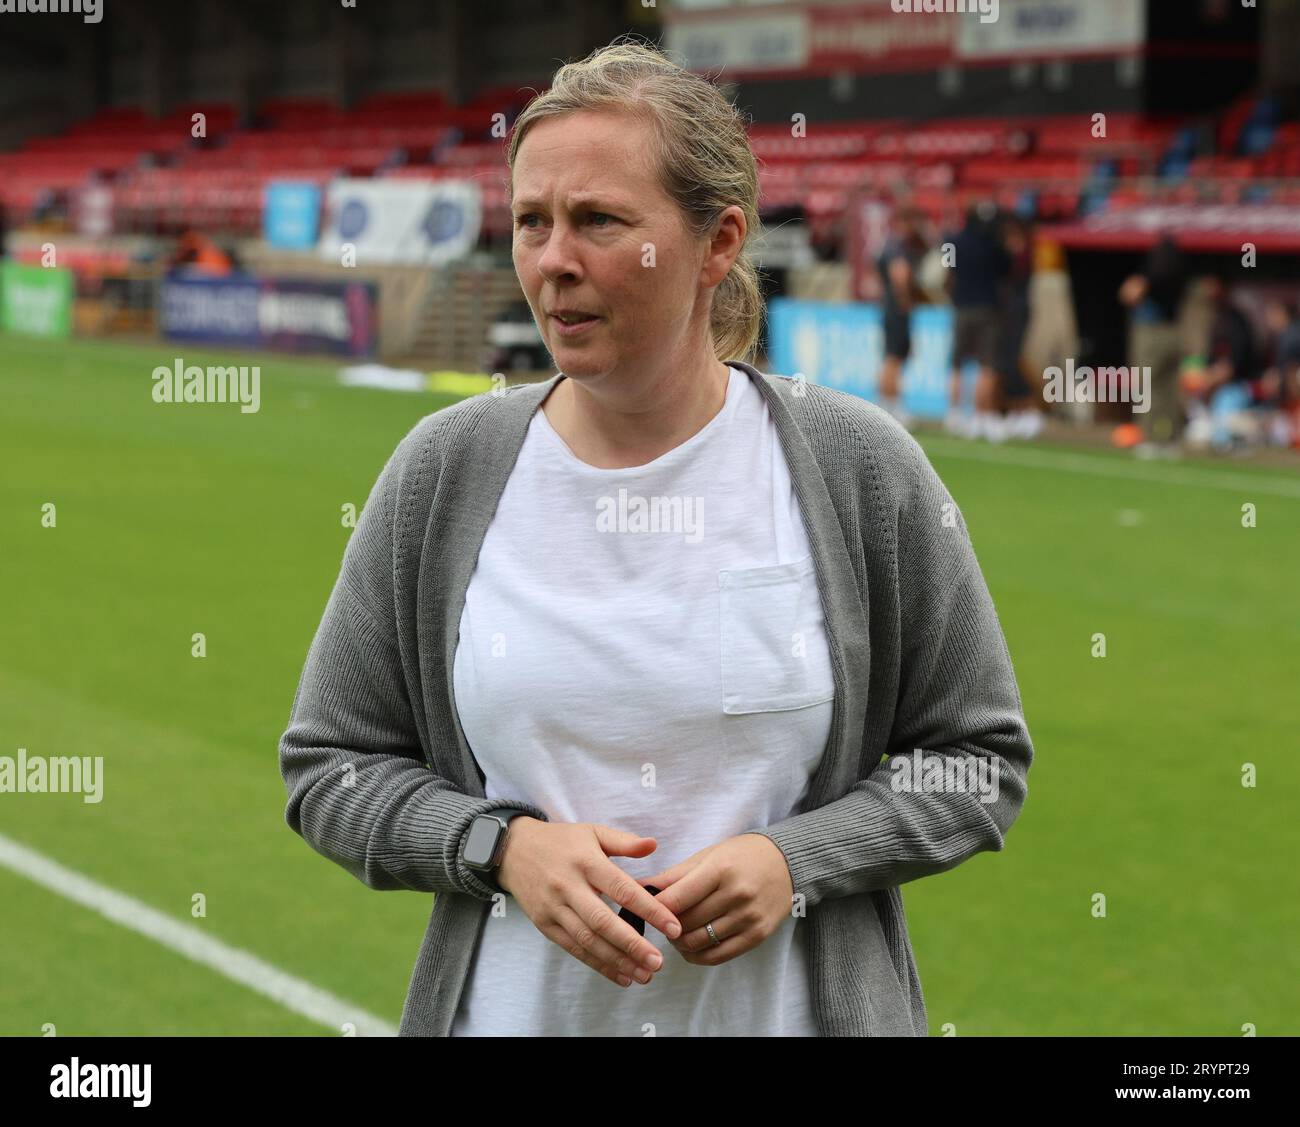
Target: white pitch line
point(186, 939)
point(1101, 467)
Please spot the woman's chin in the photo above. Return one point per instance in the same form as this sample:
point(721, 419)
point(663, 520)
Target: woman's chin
point(579, 363)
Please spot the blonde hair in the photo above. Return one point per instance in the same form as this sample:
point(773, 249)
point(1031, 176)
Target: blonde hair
point(701, 150)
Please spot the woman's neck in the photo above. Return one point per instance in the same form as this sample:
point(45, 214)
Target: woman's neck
point(611, 427)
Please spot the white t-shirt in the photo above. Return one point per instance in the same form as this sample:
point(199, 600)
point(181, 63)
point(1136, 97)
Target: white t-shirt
point(645, 648)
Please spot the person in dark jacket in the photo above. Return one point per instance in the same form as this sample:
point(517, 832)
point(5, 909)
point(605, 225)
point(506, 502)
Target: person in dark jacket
point(980, 265)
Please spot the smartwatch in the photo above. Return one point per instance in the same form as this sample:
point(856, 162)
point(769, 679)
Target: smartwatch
point(486, 842)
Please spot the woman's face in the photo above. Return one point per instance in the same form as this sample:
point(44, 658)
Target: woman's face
point(594, 231)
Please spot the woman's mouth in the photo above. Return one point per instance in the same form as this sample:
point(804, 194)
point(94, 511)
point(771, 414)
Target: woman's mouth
point(572, 325)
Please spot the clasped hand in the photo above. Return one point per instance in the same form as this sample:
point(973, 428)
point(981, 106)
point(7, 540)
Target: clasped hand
point(557, 872)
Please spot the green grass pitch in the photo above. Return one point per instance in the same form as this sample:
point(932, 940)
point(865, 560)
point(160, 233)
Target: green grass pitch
point(176, 520)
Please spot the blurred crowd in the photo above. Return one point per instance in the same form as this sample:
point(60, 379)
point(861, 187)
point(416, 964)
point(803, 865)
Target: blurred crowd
point(1238, 386)
point(1215, 378)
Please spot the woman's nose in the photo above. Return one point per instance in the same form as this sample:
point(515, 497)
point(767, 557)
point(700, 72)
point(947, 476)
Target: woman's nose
point(557, 258)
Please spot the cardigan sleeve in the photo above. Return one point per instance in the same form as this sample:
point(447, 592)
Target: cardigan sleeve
point(958, 711)
point(359, 789)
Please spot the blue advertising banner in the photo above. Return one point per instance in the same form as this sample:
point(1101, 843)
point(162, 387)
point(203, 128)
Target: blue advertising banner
point(841, 345)
point(291, 215)
point(216, 310)
point(285, 315)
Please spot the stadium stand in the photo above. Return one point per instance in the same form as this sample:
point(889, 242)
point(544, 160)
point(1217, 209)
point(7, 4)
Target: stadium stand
point(163, 180)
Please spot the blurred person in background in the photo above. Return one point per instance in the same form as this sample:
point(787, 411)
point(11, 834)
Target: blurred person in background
point(1231, 356)
point(980, 265)
point(1154, 296)
point(1052, 336)
point(899, 264)
point(1281, 379)
point(1230, 401)
point(197, 254)
point(495, 671)
point(1024, 418)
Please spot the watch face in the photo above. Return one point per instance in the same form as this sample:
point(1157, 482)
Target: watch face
point(482, 841)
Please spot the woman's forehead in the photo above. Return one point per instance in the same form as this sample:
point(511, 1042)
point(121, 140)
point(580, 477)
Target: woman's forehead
point(610, 142)
point(598, 183)
point(587, 158)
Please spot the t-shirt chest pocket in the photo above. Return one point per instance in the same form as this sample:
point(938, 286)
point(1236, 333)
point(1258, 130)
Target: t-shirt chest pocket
point(774, 649)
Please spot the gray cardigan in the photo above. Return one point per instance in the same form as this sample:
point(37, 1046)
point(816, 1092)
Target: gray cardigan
point(381, 780)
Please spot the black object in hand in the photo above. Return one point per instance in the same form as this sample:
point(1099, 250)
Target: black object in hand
point(632, 918)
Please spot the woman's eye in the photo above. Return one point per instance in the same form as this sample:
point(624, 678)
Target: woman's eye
point(522, 220)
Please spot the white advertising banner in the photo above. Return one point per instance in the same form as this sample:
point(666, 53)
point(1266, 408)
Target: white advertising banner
point(741, 41)
point(407, 222)
point(1053, 27)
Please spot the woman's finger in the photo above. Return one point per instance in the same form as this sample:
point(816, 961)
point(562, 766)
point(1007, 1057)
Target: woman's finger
point(736, 934)
point(596, 914)
point(627, 892)
point(696, 885)
point(712, 908)
point(568, 942)
point(600, 954)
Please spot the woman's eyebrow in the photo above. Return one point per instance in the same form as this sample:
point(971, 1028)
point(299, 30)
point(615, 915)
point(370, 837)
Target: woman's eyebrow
point(584, 200)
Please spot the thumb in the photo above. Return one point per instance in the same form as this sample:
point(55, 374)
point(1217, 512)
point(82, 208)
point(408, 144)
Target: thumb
point(623, 843)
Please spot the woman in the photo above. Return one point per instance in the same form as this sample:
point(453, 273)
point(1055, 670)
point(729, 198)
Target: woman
point(654, 624)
